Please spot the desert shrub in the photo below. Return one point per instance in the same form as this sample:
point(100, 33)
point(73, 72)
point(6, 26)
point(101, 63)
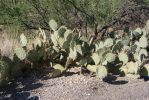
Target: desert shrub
point(78, 13)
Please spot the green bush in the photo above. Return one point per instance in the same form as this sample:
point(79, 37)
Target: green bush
point(72, 13)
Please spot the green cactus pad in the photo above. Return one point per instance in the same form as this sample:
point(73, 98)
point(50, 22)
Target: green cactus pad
point(108, 42)
point(56, 35)
point(101, 72)
point(58, 70)
point(110, 57)
point(126, 40)
point(143, 42)
point(137, 31)
point(66, 45)
point(23, 40)
point(67, 34)
point(117, 47)
point(126, 48)
point(83, 62)
point(54, 40)
point(123, 57)
point(55, 73)
point(96, 58)
point(142, 52)
point(53, 25)
point(79, 49)
point(21, 54)
point(73, 53)
point(123, 69)
point(144, 32)
point(133, 48)
point(59, 67)
point(92, 68)
point(132, 67)
point(61, 31)
point(61, 42)
point(99, 45)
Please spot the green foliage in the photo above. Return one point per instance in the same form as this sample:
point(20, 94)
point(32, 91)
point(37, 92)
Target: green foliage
point(35, 13)
point(4, 73)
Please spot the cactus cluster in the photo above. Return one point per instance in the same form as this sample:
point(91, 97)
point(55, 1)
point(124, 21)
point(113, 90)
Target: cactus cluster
point(115, 53)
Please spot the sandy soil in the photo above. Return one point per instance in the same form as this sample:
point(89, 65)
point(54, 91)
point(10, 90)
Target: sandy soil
point(75, 87)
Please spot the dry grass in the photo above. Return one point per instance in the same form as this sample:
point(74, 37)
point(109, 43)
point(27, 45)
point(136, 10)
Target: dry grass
point(7, 44)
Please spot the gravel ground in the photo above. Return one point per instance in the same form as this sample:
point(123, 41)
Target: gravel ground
point(75, 87)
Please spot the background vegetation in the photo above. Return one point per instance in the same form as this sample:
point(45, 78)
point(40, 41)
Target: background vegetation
point(73, 13)
point(32, 14)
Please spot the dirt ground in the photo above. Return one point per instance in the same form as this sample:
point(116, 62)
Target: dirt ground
point(75, 87)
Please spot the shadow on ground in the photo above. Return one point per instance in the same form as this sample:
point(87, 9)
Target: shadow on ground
point(113, 80)
point(20, 89)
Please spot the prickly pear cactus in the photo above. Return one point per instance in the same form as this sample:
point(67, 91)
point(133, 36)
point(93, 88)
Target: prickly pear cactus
point(53, 25)
point(99, 45)
point(73, 53)
point(96, 58)
point(123, 57)
point(110, 57)
point(132, 67)
point(59, 67)
point(58, 70)
point(117, 47)
point(101, 72)
point(123, 70)
point(142, 53)
point(108, 42)
point(143, 43)
point(54, 40)
point(137, 31)
point(21, 54)
point(82, 62)
point(92, 68)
